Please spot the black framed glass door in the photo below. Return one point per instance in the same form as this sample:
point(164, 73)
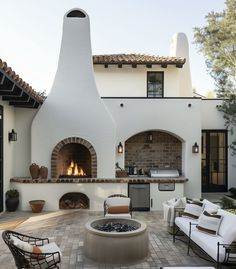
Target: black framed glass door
point(214, 161)
point(1, 158)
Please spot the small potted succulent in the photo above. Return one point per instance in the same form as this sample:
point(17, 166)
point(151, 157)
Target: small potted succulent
point(12, 200)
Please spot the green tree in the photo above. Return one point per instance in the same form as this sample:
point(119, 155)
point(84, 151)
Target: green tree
point(217, 42)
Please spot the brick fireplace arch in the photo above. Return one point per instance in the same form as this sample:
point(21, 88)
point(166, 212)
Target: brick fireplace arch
point(76, 140)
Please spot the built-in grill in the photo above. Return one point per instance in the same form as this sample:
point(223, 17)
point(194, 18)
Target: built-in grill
point(163, 172)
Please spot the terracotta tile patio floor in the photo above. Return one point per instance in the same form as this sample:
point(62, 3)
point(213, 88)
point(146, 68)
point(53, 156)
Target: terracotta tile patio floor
point(66, 228)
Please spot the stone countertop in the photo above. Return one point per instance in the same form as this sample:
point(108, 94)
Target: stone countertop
point(101, 180)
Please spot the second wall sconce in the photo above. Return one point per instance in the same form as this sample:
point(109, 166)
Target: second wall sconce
point(120, 148)
point(195, 148)
point(12, 136)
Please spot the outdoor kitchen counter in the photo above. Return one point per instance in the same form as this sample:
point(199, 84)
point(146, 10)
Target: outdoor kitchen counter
point(102, 180)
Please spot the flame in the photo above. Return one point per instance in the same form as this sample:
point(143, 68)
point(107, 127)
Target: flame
point(74, 170)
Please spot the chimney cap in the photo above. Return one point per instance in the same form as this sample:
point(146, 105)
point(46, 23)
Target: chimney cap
point(76, 13)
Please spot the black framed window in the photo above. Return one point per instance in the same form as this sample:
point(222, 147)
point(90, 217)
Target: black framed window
point(214, 160)
point(155, 84)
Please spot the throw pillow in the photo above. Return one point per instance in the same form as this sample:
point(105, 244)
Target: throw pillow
point(209, 223)
point(193, 209)
point(122, 209)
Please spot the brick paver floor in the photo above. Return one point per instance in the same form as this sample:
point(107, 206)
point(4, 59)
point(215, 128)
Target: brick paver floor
point(66, 228)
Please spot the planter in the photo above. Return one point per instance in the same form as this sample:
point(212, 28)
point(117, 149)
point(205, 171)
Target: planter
point(12, 204)
point(34, 171)
point(43, 172)
point(37, 205)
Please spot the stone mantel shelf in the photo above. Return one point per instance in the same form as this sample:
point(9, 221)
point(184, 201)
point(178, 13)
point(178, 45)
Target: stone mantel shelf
point(100, 180)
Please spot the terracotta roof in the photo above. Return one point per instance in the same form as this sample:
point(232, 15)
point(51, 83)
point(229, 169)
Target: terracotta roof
point(15, 78)
point(136, 59)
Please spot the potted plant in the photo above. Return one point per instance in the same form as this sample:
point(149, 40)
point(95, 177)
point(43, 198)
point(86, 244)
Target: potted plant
point(12, 200)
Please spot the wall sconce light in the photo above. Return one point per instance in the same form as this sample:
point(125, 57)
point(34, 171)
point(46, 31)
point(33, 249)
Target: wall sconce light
point(12, 136)
point(195, 148)
point(120, 148)
point(149, 137)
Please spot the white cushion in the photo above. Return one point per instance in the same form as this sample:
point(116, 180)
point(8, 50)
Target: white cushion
point(209, 223)
point(193, 209)
point(183, 224)
point(209, 244)
point(114, 201)
point(210, 207)
point(21, 244)
point(227, 227)
point(128, 216)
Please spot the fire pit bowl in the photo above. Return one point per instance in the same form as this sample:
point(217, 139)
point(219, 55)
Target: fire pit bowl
point(114, 247)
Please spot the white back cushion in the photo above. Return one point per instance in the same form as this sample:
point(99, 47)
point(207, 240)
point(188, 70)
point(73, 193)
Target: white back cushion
point(116, 201)
point(209, 223)
point(210, 207)
point(227, 227)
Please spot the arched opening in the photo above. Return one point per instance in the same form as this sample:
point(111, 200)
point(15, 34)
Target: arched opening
point(73, 157)
point(74, 200)
point(152, 149)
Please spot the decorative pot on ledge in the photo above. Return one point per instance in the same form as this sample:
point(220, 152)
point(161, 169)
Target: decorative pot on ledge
point(37, 205)
point(34, 170)
point(43, 172)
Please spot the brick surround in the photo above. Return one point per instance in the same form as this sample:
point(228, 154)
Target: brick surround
point(72, 140)
point(164, 150)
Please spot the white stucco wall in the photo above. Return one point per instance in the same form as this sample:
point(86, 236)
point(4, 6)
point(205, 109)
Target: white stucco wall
point(73, 107)
point(132, 82)
point(211, 118)
point(23, 121)
point(170, 115)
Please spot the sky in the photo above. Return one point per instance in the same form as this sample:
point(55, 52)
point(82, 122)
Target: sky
point(30, 33)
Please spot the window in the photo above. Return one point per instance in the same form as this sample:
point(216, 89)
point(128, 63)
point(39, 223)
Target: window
point(155, 82)
point(214, 160)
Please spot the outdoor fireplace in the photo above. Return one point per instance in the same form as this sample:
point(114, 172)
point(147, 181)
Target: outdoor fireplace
point(74, 160)
point(74, 200)
point(73, 157)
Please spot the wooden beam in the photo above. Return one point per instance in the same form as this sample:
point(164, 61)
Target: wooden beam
point(149, 65)
point(22, 97)
point(5, 87)
point(31, 102)
point(106, 65)
point(16, 92)
point(179, 65)
point(119, 65)
point(134, 65)
point(2, 79)
point(163, 65)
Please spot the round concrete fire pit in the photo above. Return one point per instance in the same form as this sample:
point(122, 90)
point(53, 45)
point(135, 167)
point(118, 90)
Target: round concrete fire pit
point(116, 247)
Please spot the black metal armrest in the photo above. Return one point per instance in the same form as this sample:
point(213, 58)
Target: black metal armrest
point(30, 239)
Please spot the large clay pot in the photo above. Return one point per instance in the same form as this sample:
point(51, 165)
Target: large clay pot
point(43, 172)
point(37, 205)
point(34, 170)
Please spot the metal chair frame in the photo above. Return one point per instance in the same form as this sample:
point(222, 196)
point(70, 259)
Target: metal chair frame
point(25, 259)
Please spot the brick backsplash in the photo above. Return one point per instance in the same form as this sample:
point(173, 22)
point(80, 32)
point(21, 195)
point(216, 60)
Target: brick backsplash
point(165, 150)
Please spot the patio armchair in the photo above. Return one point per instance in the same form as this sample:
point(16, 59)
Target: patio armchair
point(117, 206)
point(32, 252)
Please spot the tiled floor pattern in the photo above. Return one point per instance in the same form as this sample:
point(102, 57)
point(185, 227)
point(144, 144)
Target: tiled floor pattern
point(67, 230)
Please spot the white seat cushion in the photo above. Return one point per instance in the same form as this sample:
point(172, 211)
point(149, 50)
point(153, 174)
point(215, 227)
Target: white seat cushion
point(183, 224)
point(210, 207)
point(209, 244)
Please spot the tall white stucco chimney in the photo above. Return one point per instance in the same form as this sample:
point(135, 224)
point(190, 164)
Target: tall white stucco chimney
point(74, 107)
point(179, 48)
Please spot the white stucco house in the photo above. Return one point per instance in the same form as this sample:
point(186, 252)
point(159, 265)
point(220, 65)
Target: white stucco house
point(145, 104)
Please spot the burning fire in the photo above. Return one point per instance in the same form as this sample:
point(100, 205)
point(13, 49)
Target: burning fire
point(75, 170)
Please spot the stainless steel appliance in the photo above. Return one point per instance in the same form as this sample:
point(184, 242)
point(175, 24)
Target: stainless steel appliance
point(163, 172)
point(139, 194)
